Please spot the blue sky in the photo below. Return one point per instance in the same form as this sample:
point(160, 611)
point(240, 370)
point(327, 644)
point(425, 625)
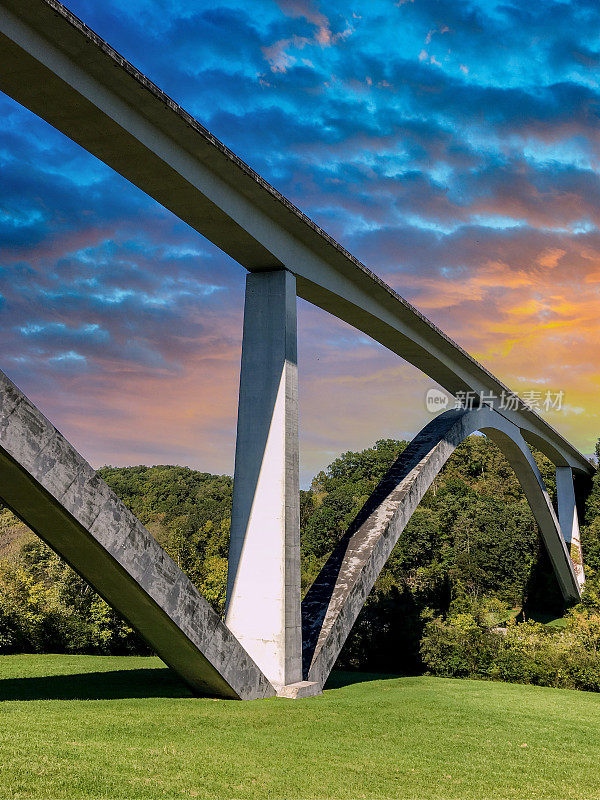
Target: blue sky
point(453, 147)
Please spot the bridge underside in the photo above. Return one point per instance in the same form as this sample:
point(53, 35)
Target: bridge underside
point(57, 67)
point(54, 491)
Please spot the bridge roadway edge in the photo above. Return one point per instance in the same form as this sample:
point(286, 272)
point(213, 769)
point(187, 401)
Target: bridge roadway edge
point(55, 65)
point(61, 70)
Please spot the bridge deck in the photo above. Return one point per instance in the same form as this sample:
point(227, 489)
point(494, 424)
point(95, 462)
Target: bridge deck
point(56, 66)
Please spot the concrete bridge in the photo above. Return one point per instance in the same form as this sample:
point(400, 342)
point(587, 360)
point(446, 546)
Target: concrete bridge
point(270, 643)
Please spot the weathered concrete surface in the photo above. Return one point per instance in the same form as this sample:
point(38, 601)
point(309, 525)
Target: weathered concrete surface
point(56, 492)
point(61, 70)
point(335, 599)
point(568, 518)
point(300, 690)
point(577, 558)
point(57, 67)
point(567, 508)
point(263, 580)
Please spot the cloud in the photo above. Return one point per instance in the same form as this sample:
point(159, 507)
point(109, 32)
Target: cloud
point(452, 146)
point(279, 53)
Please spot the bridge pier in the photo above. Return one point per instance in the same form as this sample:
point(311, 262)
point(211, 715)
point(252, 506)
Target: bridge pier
point(63, 72)
point(263, 582)
point(568, 518)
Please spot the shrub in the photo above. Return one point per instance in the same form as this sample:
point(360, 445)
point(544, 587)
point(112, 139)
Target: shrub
point(464, 646)
point(458, 647)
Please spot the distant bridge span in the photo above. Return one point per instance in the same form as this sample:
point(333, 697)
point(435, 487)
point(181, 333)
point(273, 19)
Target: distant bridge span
point(336, 597)
point(53, 64)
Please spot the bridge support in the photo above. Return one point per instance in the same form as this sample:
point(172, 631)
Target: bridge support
point(263, 582)
point(54, 491)
point(333, 602)
point(568, 518)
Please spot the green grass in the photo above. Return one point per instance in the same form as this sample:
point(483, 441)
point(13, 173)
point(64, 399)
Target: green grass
point(93, 727)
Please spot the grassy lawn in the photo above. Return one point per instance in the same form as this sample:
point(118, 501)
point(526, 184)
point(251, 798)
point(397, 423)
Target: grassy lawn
point(81, 726)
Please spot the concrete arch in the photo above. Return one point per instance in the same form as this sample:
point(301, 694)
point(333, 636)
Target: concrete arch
point(53, 64)
point(58, 494)
point(336, 597)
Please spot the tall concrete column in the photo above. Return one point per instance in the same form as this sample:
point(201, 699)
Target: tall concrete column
point(263, 580)
point(567, 516)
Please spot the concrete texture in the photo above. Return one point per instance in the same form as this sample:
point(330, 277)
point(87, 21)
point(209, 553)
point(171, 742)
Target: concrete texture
point(263, 581)
point(60, 69)
point(577, 558)
point(568, 518)
point(300, 690)
point(335, 599)
point(567, 509)
point(56, 492)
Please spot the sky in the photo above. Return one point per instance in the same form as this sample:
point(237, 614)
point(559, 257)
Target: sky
point(451, 146)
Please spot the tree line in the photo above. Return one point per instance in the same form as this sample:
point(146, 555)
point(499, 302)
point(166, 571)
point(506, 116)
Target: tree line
point(468, 589)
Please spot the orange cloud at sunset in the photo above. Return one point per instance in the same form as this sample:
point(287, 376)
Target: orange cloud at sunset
point(465, 175)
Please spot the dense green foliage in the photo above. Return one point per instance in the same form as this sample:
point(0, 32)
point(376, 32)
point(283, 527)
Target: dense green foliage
point(471, 546)
point(189, 514)
point(468, 645)
point(46, 607)
point(114, 727)
point(472, 536)
point(475, 639)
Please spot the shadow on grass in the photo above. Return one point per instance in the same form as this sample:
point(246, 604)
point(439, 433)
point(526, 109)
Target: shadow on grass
point(339, 679)
point(133, 683)
point(116, 684)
